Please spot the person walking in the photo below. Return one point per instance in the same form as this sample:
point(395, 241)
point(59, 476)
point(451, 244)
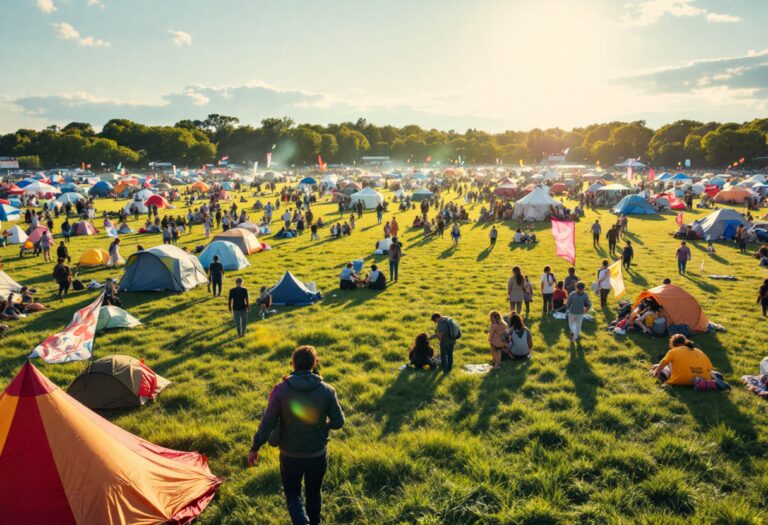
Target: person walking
point(395, 253)
point(683, 255)
point(455, 234)
point(596, 230)
point(216, 275)
point(604, 284)
point(239, 306)
point(45, 245)
point(548, 282)
point(379, 213)
point(114, 253)
point(613, 237)
point(62, 252)
point(394, 227)
point(493, 236)
point(447, 331)
point(63, 276)
point(577, 305)
point(626, 255)
point(304, 409)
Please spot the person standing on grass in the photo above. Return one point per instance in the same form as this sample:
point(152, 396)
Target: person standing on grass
point(455, 234)
point(394, 227)
point(447, 331)
point(613, 237)
point(63, 276)
point(239, 306)
point(493, 235)
point(516, 290)
point(114, 253)
point(604, 284)
point(548, 282)
point(577, 305)
point(626, 255)
point(596, 230)
point(762, 297)
point(62, 252)
point(395, 253)
point(683, 255)
point(216, 276)
point(379, 213)
point(305, 409)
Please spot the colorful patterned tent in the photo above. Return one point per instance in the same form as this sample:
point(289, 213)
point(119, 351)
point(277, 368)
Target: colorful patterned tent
point(61, 463)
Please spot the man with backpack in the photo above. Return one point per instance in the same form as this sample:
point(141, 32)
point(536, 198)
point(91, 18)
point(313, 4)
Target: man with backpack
point(395, 252)
point(447, 332)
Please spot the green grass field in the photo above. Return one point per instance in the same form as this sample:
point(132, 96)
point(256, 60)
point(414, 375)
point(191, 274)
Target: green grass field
point(572, 436)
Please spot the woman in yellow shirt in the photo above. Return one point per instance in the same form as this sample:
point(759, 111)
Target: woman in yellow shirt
point(682, 363)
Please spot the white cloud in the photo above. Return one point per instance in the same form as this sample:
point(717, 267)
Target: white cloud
point(65, 31)
point(46, 6)
point(95, 3)
point(648, 12)
point(180, 38)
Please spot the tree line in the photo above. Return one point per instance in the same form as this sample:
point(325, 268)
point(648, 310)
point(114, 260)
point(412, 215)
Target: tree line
point(192, 143)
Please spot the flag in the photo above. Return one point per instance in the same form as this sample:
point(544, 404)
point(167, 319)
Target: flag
point(323, 165)
point(617, 279)
point(119, 166)
point(687, 163)
point(255, 166)
point(741, 160)
point(269, 159)
point(75, 342)
point(652, 174)
point(521, 163)
point(679, 219)
point(564, 233)
point(565, 152)
point(428, 159)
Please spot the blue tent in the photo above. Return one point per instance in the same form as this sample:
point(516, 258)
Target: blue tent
point(290, 291)
point(68, 187)
point(679, 177)
point(9, 213)
point(664, 176)
point(718, 181)
point(230, 255)
point(721, 224)
point(308, 180)
point(633, 205)
point(227, 186)
point(23, 183)
point(101, 189)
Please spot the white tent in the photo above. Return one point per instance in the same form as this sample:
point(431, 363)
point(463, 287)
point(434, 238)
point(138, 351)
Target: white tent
point(17, 235)
point(8, 285)
point(536, 206)
point(330, 180)
point(383, 246)
point(139, 205)
point(40, 187)
point(370, 197)
point(143, 195)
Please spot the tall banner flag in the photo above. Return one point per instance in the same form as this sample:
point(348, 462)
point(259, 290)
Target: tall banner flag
point(564, 233)
point(269, 159)
point(617, 279)
point(119, 166)
point(629, 173)
point(679, 219)
point(323, 165)
point(255, 166)
point(521, 162)
point(652, 174)
point(75, 342)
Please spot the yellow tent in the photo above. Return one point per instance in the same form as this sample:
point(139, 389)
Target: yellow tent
point(94, 257)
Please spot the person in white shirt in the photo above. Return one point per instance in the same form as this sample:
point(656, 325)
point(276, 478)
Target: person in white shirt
point(348, 277)
point(604, 284)
point(548, 282)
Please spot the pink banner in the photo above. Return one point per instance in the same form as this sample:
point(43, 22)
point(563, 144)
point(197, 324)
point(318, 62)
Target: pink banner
point(652, 174)
point(564, 233)
point(679, 219)
point(75, 342)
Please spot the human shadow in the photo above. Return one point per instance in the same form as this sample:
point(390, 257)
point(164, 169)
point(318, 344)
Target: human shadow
point(448, 252)
point(483, 255)
point(585, 381)
point(347, 298)
point(634, 238)
point(494, 390)
point(636, 277)
point(713, 256)
point(703, 285)
point(410, 391)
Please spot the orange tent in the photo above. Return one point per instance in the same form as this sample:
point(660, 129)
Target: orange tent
point(199, 186)
point(679, 307)
point(734, 195)
point(244, 239)
point(61, 463)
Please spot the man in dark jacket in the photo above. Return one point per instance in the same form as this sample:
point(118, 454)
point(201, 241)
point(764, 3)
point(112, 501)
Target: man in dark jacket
point(306, 409)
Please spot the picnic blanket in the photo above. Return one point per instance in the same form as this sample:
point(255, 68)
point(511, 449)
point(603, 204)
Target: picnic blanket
point(477, 368)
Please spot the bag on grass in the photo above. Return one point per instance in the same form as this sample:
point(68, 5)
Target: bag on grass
point(77, 284)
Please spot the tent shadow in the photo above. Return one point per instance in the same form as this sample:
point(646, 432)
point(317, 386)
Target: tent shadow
point(411, 390)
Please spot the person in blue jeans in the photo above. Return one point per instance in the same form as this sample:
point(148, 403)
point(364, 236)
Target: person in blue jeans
point(395, 253)
point(683, 256)
point(305, 409)
point(239, 306)
point(447, 342)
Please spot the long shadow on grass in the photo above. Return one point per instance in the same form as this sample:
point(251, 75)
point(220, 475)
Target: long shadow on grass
point(713, 256)
point(703, 285)
point(585, 381)
point(634, 238)
point(494, 389)
point(411, 390)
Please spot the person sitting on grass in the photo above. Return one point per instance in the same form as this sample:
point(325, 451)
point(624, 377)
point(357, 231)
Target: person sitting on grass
point(559, 296)
point(519, 339)
point(349, 278)
point(375, 280)
point(422, 354)
point(7, 311)
point(264, 301)
point(682, 364)
point(645, 315)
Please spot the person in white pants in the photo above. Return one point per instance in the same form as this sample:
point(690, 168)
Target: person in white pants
point(577, 305)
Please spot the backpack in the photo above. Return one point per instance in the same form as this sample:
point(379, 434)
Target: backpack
point(454, 330)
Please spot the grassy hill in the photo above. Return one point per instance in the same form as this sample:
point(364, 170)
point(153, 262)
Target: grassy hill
point(575, 435)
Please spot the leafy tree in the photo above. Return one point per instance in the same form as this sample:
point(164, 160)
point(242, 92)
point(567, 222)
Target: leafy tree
point(83, 128)
point(726, 145)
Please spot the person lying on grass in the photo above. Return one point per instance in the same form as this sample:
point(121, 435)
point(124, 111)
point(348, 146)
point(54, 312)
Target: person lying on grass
point(421, 353)
point(682, 364)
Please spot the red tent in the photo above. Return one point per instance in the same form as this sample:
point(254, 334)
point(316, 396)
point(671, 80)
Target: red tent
point(156, 200)
point(674, 202)
point(711, 190)
point(557, 188)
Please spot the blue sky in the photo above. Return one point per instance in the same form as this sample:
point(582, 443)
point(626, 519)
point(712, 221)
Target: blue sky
point(494, 65)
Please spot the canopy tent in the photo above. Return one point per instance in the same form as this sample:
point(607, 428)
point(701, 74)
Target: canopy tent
point(720, 224)
point(421, 194)
point(679, 177)
point(8, 285)
point(84, 228)
point(41, 187)
point(164, 267)
point(110, 477)
point(615, 187)
point(9, 213)
point(16, 235)
point(633, 205)
point(116, 382)
point(290, 291)
point(111, 317)
point(734, 195)
point(678, 306)
point(536, 206)
point(101, 189)
point(369, 197)
point(230, 255)
point(93, 257)
point(244, 239)
point(630, 163)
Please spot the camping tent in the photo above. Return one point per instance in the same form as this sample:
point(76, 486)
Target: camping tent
point(69, 197)
point(309, 181)
point(41, 187)
point(678, 306)
point(199, 186)
point(290, 291)
point(230, 255)
point(9, 213)
point(421, 194)
point(101, 189)
point(113, 317)
point(594, 187)
point(253, 228)
point(115, 382)
point(721, 224)
point(536, 206)
point(38, 233)
point(383, 245)
point(138, 204)
point(370, 197)
point(84, 228)
point(244, 239)
point(62, 463)
point(164, 267)
point(508, 189)
point(16, 235)
point(93, 257)
point(669, 201)
point(558, 188)
point(8, 285)
point(633, 205)
point(156, 200)
point(734, 195)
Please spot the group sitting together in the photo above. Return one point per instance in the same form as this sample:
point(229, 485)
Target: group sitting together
point(11, 309)
point(647, 317)
point(351, 280)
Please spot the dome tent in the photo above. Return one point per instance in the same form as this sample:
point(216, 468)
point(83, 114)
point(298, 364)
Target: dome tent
point(720, 224)
point(244, 239)
point(8, 285)
point(93, 257)
point(9, 213)
point(290, 291)
point(114, 317)
point(101, 189)
point(17, 235)
point(69, 197)
point(678, 306)
point(633, 205)
point(84, 228)
point(251, 227)
point(421, 194)
point(370, 198)
point(536, 206)
point(115, 382)
point(164, 267)
point(230, 255)
point(734, 195)
point(111, 476)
